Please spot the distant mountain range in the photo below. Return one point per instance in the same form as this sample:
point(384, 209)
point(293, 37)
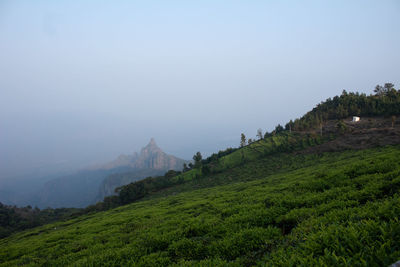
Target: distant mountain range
point(92, 184)
point(151, 161)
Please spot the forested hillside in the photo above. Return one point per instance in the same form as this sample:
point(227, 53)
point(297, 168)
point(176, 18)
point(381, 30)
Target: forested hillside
point(385, 102)
point(13, 219)
point(322, 191)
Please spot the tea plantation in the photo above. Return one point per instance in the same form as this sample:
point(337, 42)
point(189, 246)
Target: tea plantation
point(284, 209)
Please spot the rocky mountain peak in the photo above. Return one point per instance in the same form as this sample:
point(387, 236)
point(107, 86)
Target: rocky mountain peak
point(152, 142)
point(150, 150)
point(151, 161)
point(151, 147)
point(150, 157)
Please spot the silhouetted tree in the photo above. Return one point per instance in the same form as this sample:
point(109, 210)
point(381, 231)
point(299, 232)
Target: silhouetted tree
point(279, 128)
point(289, 125)
point(242, 140)
point(378, 90)
point(383, 90)
point(259, 134)
point(197, 159)
point(388, 87)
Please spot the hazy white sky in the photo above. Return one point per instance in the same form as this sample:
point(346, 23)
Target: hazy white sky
point(84, 81)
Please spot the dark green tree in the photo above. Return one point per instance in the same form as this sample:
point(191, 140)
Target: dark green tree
point(259, 134)
point(197, 159)
point(379, 90)
point(242, 140)
point(388, 87)
point(289, 126)
point(279, 128)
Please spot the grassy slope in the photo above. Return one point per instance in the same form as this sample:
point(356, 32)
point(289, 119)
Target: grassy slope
point(259, 149)
point(335, 209)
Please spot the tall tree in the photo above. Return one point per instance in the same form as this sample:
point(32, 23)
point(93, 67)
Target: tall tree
point(197, 159)
point(384, 90)
point(259, 134)
point(279, 128)
point(388, 87)
point(242, 140)
point(379, 90)
point(289, 125)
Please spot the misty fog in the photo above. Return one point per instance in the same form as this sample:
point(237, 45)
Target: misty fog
point(81, 83)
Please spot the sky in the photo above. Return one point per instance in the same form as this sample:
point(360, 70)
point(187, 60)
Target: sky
point(84, 81)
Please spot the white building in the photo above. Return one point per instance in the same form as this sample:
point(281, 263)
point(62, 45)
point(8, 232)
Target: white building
point(355, 118)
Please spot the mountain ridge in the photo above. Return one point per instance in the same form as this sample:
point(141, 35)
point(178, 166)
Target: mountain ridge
point(87, 186)
point(151, 161)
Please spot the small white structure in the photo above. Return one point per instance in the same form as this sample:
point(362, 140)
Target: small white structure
point(355, 118)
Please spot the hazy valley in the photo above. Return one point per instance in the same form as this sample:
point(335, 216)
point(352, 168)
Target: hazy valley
point(85, 187)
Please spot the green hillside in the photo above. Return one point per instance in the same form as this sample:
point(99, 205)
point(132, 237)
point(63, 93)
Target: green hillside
point(204, 171)
point(328, 124)
point(337, 209)
point(321, 191)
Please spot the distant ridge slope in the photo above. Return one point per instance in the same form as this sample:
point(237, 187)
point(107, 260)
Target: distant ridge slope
point(151, 161)
point(88, 186)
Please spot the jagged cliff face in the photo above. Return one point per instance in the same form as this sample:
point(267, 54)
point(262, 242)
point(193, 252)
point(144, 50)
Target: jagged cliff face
point(152, 157)
point(151, 161)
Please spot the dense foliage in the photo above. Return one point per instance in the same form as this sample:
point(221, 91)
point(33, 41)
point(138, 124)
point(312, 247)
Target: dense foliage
point(385, 102)
point(333, 209)
point(13, 219)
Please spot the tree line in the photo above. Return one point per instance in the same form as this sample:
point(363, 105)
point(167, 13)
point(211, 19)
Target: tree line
point(385, 101)
point(14, 219)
